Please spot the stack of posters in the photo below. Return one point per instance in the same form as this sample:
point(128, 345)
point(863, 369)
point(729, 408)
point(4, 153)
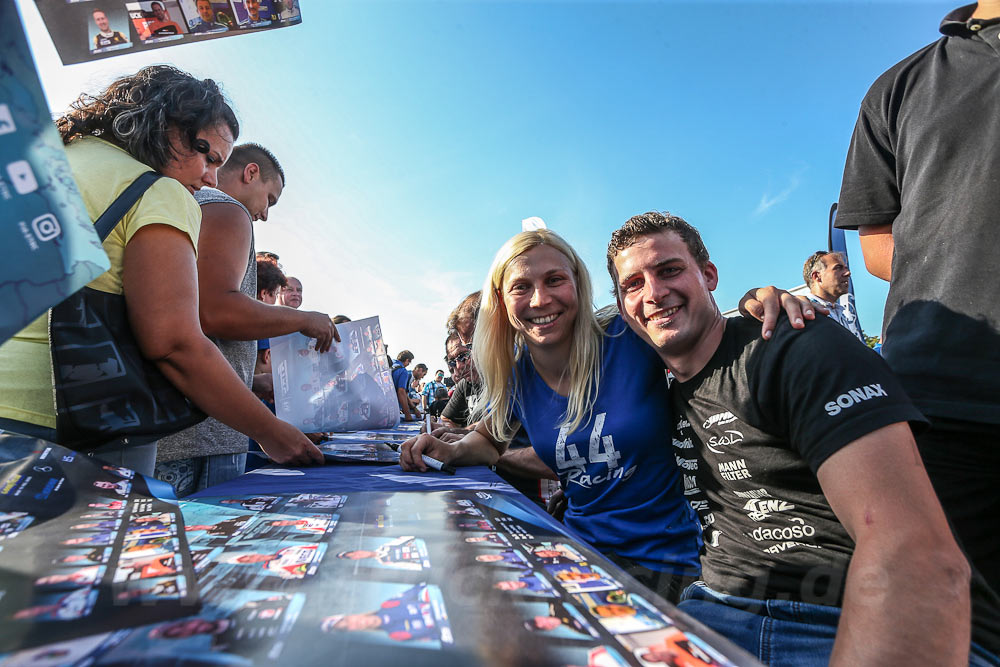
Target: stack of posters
point(85, 30)
point(439, 578)
point(87, 547)
point(347, 388)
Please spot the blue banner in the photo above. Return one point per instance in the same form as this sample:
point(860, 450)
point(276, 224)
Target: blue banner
point(50, 247)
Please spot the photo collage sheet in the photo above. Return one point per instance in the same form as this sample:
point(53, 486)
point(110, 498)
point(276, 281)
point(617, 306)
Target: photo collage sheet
point(87, 547)
point(438, 578)
point(348, 388)
point(85, 30)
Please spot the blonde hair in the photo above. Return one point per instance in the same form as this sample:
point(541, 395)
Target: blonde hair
point(496, 347)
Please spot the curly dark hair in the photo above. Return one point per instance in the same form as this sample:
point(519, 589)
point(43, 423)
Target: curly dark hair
point(135, 111)
point(269, 276)
point(651, 223)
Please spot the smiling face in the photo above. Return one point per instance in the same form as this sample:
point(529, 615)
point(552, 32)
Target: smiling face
point(158, 11)
point(253, 9)
point(540, 295)
point(198, 166)
point(664, 295)
point(101, 19)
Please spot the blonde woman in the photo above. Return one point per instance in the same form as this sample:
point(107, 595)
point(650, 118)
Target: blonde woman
point(593, 401)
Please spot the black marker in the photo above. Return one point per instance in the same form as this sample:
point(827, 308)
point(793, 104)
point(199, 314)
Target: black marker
point(438, 465)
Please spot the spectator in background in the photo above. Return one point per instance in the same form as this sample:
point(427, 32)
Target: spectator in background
point(429, 393)
point(459, 359)
point(920, 186)
point(440, 401)
point(462, 320)
point(291, 293)
point(828, 278)
point(416, 384)
point(401, 381)
point(270, 279)
point(250, 183)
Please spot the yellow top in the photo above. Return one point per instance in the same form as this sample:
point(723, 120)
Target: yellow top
point(102, 171)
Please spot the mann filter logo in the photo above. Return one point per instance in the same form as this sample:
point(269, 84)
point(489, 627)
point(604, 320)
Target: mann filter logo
point(719, 419)
point(683, 444)
point(853, 397)
point(758, 510)
point(687, 464)
point(718, 441)
point(734, 470)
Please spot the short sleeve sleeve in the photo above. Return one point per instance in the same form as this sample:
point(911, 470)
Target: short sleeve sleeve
point(822, 389)
point(166, 202)
point(869, 192)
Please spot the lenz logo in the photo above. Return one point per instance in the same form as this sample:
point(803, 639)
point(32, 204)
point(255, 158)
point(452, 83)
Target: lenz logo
point(853, 397)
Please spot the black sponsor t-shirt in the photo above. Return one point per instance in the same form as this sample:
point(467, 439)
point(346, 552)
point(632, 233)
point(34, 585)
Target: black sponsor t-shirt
point(461, 401)
point(752, 428)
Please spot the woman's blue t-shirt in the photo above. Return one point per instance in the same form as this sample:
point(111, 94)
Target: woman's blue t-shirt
point(618, 470)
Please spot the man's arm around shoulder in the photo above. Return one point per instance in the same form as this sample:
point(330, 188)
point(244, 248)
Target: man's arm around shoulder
point(907, 594)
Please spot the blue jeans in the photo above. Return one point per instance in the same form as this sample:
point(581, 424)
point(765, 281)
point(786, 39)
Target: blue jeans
point(188, 476)
point(779, 632)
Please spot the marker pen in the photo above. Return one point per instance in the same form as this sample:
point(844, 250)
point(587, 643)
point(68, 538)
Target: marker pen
point(438, 465)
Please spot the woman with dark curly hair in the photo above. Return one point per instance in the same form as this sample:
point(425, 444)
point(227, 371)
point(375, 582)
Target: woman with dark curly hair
point(162, 119)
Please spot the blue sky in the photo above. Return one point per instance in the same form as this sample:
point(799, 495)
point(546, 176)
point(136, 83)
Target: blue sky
point(417, 135)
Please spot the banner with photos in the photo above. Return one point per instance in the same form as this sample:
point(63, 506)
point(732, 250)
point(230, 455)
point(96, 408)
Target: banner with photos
point(50, 247)
point(86, 548)
point(84, 30)
point(348, 388)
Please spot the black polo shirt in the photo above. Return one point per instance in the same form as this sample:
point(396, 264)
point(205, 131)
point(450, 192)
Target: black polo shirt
point(925, 157)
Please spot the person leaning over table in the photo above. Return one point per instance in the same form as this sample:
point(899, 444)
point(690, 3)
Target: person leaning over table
point(591, 397)
point(111, 138)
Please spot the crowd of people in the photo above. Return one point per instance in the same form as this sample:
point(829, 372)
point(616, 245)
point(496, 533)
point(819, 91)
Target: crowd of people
point(809, 499)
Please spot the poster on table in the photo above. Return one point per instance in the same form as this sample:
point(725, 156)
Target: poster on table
point(348, 388)
point(439, 578)
point(50, 247)
point(84, 30)
point(86, 547)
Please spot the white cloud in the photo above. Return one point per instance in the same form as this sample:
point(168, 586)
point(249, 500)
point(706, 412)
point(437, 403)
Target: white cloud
point(769, 201)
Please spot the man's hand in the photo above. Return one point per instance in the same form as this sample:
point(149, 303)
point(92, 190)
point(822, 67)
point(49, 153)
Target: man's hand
point(320, 327)
point(263, 386)
point(557, 504)
point(765, 304)
point(288, 445)
point(411, 451)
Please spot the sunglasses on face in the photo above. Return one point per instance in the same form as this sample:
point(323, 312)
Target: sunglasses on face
point(458, 359)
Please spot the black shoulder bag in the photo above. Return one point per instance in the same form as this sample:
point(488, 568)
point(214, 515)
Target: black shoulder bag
point(105, 390)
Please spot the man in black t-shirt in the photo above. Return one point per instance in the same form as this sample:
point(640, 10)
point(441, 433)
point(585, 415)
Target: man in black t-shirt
point(802, 467)
point(920, 186)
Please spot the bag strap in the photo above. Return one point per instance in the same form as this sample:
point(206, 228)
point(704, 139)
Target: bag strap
point(126, 200)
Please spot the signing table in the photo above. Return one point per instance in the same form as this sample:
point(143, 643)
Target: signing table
point(362, 564)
